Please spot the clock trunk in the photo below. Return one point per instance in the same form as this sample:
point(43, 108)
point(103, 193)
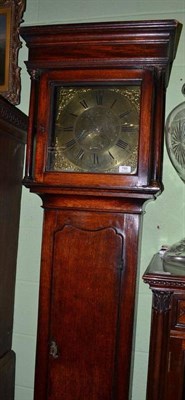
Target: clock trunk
point(84, 332)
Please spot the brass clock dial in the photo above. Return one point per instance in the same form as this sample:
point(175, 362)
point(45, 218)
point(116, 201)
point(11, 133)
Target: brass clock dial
point(96, 129)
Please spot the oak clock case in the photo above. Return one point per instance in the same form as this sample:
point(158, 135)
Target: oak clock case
point(94, 156)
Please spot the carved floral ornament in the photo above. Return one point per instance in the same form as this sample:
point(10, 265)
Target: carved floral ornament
point(11, 13)
point(161, 300)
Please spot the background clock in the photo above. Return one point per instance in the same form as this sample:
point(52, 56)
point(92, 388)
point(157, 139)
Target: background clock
point(95, 129)
point(174, 257)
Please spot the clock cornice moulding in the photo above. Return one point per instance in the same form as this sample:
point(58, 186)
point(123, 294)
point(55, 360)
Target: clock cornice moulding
point(89, 44)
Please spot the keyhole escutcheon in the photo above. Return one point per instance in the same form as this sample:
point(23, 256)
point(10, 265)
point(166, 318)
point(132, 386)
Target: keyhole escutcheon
point(54, 349)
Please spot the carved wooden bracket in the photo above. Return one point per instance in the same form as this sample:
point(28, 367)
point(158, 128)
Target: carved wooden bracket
point(161, 300)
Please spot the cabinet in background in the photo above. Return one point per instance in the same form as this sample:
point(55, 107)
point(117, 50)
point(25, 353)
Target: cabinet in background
point(166, 369)
point(13, 125)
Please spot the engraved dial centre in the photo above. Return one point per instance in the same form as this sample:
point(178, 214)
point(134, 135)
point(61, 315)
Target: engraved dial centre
point(96, 129)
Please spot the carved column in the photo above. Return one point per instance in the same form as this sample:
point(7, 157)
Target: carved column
point(158, 357)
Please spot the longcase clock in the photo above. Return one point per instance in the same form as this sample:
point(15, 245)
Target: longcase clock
point(94, 156)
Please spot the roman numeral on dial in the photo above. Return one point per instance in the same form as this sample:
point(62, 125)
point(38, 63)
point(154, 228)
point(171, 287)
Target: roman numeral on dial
point(84, 104)
point(127, 128)
point(111, 155)
point(70, 143)
point(99, 98)
point(73, 115)
point(68, 128)
point(122, 144)
point(95, 159)
point(80, 154)
point(113, 104)
point(124, 114)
